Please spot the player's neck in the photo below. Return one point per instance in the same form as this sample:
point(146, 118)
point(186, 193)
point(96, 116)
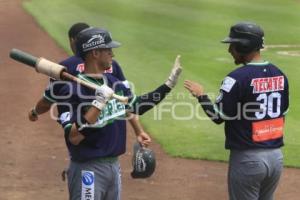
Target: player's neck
point(253, 57)
point(92, 68)
point(257, 58)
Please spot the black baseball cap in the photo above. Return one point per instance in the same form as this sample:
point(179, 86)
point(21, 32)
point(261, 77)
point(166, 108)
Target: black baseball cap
point(244, 32)
point(94, 38)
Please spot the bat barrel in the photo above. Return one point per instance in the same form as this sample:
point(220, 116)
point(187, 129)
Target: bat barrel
point(23, 57)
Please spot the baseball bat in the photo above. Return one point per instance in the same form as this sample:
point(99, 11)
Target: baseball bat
point(53, 70)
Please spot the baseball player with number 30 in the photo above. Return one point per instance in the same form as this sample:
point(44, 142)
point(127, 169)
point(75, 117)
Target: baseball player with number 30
point(253, 102)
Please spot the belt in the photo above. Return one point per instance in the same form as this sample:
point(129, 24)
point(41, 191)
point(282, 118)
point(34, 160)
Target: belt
point(107, 159)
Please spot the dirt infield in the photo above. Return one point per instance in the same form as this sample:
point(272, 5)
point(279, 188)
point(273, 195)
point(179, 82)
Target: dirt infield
point(32, 155)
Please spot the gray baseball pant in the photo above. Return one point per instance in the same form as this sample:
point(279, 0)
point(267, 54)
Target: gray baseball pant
point(254, 174)
point(98, 179)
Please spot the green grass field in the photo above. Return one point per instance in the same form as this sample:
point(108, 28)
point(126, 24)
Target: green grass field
point(153, 32)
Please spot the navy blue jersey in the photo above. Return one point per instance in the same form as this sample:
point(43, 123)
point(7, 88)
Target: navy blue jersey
point(106, 137)
point(253, 101)
point(74, 65)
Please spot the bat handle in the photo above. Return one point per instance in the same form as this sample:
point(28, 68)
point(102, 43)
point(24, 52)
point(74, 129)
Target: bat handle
point(23, 57)
point(120, 98)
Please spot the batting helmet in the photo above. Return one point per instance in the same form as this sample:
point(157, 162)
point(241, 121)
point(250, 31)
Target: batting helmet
point(247, 36)
point(143, 162)
point(94, 38)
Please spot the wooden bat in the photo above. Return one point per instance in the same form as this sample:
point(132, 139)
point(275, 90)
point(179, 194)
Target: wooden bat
point(54, 70)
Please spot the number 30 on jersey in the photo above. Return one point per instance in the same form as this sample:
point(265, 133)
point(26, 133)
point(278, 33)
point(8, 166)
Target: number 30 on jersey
point(267, 105)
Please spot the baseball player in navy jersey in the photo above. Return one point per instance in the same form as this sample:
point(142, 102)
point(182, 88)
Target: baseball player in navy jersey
point(95, 129)
point(74, 66)
point(253, 102)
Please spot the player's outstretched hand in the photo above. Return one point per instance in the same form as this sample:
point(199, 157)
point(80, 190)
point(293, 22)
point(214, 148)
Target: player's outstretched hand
point(176, 70)
point(194, 88)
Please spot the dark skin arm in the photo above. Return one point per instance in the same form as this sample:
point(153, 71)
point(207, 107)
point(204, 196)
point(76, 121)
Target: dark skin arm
point(41, 107)
point(142, 137)
point(91, 116)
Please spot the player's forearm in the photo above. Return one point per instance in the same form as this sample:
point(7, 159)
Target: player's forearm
point(147, 101)
point(135, 123)
point(75, 137)
point(92, 115)
point(208, 108)
point(42, 106)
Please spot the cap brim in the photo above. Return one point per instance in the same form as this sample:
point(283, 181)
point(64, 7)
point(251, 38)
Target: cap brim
point(136, 147)
point(235, 40)
point(113, 44)
point(230, 40)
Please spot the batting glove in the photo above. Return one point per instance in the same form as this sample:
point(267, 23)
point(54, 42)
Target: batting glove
point(103, 94)
point(176, 70)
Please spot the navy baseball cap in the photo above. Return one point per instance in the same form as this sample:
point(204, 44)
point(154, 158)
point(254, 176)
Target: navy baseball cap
point(94, 38)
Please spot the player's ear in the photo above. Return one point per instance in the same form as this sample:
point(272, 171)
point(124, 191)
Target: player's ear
point(95, 53)
point(72, 40)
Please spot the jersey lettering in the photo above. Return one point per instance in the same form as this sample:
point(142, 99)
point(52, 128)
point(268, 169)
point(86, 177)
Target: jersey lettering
point(113, 110)
point(87, 185)
point(268, 84)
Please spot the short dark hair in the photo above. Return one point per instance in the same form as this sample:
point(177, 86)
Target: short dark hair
point(76, 28)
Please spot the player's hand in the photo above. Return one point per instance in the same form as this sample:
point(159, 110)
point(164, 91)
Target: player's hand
point(144, 139)
point(176, 70)
point(32, 115)
point(103, 94)
point(194, 88)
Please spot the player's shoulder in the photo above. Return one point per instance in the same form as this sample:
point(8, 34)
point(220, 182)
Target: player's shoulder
point(253, 70)
point(277, 69)
point(248, 69)
point(240, 71)
point(113, 81)
point(115, 65)
point(73, 64)
point(236, 74)
point(71, 60)
point(235, 77)
point(114, 62)
point(111, 78)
